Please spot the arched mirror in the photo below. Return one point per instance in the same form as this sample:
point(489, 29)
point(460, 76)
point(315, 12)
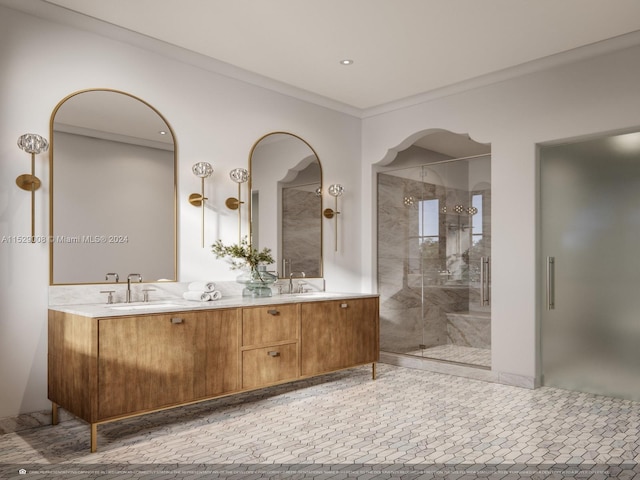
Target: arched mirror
point(285, 181)
point(112, 189)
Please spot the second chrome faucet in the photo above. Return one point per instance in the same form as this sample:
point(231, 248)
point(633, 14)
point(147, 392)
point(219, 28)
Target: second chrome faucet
point(129, 277)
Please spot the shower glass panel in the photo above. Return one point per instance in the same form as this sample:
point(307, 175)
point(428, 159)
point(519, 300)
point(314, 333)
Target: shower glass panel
point(434, 247)
point(590, 225)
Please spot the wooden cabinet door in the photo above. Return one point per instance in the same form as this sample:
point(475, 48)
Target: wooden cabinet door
point(361, 334)
point(222, 346)
point(338, 334)
point(149, 361)
point(321, 337)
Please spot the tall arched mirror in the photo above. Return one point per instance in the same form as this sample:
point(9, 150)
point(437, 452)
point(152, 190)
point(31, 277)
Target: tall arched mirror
point(112, 189)
point(285, 181)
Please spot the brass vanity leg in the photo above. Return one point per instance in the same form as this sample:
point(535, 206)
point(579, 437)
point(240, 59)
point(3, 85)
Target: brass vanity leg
point(94, 437)
point(54, 414)
point(373, 371)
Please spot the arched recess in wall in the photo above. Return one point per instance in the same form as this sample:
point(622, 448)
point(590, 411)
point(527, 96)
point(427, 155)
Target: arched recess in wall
point(433, 202)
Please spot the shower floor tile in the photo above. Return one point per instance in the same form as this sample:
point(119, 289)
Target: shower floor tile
point(456, 353)
point(345, 425)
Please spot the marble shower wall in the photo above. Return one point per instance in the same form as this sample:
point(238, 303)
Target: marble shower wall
point(404, 272)
point(301, 230)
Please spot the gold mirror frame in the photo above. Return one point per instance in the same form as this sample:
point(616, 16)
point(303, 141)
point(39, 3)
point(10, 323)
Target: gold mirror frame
point(133, 201)
point(250, 201)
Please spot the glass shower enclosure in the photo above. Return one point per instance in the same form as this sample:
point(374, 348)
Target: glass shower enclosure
point(434, 260)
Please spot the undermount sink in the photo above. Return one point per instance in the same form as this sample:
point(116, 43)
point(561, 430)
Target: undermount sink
point(316, 294)
point(146, 306)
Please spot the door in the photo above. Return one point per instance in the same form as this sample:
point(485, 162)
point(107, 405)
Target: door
point(150, 361)
point(590, 228)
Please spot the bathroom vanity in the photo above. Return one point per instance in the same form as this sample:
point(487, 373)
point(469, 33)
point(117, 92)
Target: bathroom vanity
point(107, 363)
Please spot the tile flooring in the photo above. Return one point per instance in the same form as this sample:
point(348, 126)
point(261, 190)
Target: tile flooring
point(406, 424)
point(457, 353)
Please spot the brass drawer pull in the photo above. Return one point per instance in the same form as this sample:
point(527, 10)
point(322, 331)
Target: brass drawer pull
point(273, 312)
point(176, 320)
point(344, 305)
point(273, 354)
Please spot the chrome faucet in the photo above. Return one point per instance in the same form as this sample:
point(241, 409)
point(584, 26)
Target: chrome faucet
point(301, 275)
point(114, 275)
point(128, 299)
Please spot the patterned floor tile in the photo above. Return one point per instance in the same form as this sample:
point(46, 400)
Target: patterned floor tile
point(412, 421)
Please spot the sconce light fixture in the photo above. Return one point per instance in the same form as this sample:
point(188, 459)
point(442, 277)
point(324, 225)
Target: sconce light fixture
point(335, 191)
point(240, 176)
point(31, 143)
point(202, 170)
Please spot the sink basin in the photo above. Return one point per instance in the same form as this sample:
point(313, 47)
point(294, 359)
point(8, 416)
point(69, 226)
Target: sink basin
point(146, 306)
point(317, 294)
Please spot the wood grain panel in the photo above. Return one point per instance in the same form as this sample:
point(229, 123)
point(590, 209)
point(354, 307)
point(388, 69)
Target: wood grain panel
point(269, 365)
point(72, 363)
point(148, 362)
point(260, 327)
point(222, 346)
point(338, 334)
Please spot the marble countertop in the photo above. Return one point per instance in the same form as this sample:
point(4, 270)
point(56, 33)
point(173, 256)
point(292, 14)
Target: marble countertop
point(100, 310)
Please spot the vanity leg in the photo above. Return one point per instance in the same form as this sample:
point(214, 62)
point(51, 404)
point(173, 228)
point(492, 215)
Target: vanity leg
point(94, 437)
point(373, 371)
point(54, 413)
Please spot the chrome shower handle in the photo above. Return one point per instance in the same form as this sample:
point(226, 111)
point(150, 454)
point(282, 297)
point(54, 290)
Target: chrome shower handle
point(551, 283)
point(484, 281)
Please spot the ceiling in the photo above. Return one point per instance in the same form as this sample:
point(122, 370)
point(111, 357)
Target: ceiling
point(400, 48)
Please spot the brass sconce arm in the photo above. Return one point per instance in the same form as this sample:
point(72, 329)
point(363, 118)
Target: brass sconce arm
point(202, 170)
point(33, 144)
point(239, 176)
point(335, 191)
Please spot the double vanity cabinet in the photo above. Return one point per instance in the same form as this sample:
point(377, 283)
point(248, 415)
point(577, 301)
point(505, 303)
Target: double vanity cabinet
point(106, 364)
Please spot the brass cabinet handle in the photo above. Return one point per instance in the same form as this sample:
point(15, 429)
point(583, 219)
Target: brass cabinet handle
point(176, 320)
point(344, 305)
point(273, 353)
point(273, 312)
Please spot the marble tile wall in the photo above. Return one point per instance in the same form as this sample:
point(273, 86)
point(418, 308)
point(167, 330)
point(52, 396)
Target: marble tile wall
point(301, 230)
point(406, 320)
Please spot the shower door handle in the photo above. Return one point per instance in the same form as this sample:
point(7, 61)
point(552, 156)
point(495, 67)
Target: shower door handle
point(485, 275)
point(551, 283)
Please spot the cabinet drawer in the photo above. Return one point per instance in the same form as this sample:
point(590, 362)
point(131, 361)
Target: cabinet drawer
point(264, 366)
point(265, 325)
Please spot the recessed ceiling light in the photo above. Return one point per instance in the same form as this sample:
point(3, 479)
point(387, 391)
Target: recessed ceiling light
point(346, 61)
point(162, 132)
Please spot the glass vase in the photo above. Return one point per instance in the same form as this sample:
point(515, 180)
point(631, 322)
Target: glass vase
point(257, 282)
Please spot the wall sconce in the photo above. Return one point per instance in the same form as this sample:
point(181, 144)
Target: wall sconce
point(240, 176)
point(31, 143)
point(335, 191)
point(202, 170)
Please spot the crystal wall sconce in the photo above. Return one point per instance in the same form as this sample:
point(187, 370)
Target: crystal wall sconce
point(33, 144)
point(335, 191)
point(240, 176)
point(202, 170)
point(460, 210)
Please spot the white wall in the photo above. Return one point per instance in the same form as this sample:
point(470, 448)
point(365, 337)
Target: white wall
point(215, 119)
point(594, 95)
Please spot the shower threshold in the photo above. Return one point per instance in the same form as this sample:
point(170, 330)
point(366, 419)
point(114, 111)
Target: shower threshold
point(458, 354)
